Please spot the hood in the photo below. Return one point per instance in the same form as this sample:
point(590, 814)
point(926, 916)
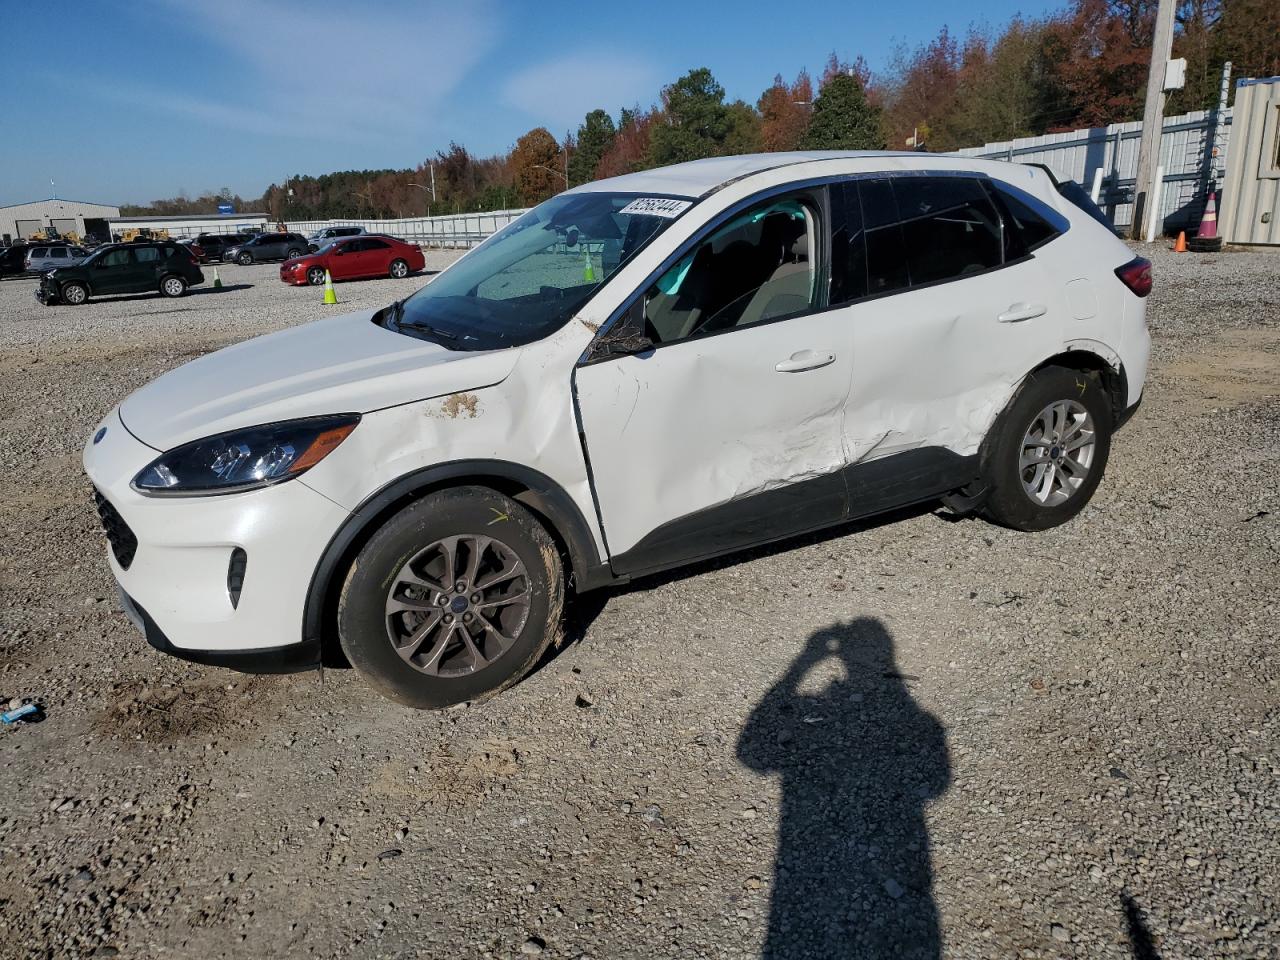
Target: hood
point(345, 364)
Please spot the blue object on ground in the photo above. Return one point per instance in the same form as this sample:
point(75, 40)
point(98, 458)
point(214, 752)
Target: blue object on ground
point(13, 716)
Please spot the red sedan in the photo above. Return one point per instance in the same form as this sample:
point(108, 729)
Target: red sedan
point(369, 255)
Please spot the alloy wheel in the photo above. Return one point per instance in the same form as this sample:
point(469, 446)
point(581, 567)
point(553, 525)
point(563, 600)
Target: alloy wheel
point(458, 605)
point(1056, 453)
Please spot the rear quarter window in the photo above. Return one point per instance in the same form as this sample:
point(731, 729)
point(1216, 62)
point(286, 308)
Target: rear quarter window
point(1029, 223)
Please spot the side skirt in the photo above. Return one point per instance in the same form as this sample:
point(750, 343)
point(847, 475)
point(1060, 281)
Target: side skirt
point(855, 492)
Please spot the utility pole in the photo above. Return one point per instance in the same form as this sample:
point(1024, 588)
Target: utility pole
point(1153, 115)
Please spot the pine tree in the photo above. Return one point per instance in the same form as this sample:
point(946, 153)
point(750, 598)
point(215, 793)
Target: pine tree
point(595, 137)
point(843, 119)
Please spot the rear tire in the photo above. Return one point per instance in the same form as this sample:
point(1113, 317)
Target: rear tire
point(454, 599)
point(74, 293)
point(1049, 450)
point(399, 269)
point(173, 286)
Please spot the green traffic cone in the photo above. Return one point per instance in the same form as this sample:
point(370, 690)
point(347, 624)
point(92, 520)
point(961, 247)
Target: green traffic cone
point(588, 271)
point(217, 280)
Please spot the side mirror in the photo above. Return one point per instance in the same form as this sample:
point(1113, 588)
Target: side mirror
point(625, 344)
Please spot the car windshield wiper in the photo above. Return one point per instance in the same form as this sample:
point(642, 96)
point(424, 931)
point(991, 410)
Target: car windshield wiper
point(397, 315)
point(427, 329)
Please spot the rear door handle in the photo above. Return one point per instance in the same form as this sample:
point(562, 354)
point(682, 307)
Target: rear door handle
point(1018, 312)
point(803, 360)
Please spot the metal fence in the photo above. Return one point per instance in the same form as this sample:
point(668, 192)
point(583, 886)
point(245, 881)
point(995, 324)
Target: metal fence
point(1186, 153)
point(454, 231)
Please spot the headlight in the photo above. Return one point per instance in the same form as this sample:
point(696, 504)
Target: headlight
point(245, 459)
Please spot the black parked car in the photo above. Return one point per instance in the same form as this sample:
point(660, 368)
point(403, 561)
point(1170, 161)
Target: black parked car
point(13, 260)
point(166, 266)
point(267, 246)
point(215, 245)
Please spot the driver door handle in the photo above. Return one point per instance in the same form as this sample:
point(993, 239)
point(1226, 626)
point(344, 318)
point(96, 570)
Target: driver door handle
point(803, 360)
point(1018, 312)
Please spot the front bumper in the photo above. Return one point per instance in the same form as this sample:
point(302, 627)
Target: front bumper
point(47, 293)
point(176, 567)
point(286, 659)
point(289, 274)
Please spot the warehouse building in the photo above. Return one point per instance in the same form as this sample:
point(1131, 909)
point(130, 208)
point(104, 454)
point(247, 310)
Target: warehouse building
point(190, 225)
point(21, 220)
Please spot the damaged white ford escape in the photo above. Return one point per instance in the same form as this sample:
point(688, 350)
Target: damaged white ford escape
point(639, 373)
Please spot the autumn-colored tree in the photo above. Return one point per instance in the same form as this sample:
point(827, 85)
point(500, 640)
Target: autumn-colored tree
point(595, 138)
point(630, 149)
point(694, 121)
point(784, 112)
point(1097, 63)
point(1001, 91)
point(924, 89)
point(534, 159)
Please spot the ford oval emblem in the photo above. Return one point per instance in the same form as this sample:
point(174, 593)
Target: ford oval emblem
point(97, 437)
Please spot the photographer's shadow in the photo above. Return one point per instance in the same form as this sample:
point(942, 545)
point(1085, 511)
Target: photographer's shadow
point(859, 761)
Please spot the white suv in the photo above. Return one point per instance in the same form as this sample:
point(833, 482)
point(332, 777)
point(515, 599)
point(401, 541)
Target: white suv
point(639, 373)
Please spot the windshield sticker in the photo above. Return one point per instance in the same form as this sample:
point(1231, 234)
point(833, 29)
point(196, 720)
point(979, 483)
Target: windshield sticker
point(656, 207)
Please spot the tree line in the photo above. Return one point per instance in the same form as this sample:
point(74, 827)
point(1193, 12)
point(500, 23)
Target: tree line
point(1084, 66)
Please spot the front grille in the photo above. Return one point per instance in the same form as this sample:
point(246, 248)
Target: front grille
point(123, 543)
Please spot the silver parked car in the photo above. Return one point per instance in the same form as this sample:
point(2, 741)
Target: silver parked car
point(40, 259)
point(326, 236)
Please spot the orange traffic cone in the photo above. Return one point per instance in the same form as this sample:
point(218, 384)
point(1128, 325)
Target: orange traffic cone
point(1209, 222)
point(1181, 245)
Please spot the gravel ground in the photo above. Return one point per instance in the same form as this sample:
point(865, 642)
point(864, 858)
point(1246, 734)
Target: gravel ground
point(906, 738)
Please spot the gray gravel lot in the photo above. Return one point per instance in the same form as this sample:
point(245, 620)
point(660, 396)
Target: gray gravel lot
point(906, 738)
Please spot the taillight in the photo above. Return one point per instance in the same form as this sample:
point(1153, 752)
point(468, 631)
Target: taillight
point(1136, 275)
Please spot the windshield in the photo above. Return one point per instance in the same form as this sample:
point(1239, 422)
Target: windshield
point(527, 280)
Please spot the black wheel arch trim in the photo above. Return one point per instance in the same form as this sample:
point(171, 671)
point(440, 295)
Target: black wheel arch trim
point(536, 490)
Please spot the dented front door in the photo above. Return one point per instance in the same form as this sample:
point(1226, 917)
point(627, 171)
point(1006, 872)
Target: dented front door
point(705, 445)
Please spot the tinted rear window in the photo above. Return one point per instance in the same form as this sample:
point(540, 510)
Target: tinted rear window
point(950, 226)
point(1079, 196)
point(886, 249)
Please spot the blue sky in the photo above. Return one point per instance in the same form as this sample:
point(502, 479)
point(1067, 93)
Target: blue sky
point(132, 101)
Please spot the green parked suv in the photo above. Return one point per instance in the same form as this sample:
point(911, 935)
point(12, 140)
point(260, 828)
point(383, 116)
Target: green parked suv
point(123, 268)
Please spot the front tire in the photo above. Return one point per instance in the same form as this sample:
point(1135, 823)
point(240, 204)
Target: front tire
point(399, 269)
point(293, 254)
point(244, 259)
point(1050, 450)
point(173, 286)
point(455, 598)
point(315, 276)
point(74, 293)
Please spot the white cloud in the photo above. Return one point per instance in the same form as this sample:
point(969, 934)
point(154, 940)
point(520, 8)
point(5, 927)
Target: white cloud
point(558, 93)
point(333, 71)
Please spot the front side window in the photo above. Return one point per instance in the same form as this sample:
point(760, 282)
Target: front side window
point(758, 266)
point(530, 278)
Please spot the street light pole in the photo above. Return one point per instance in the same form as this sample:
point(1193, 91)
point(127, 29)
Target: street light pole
point(424, 190)
point(1153, 115)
